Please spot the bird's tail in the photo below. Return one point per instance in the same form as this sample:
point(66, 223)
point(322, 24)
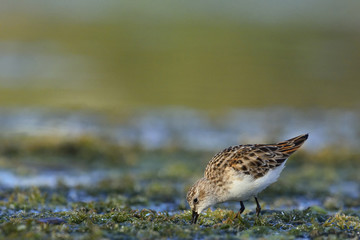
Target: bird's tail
point(290, 146)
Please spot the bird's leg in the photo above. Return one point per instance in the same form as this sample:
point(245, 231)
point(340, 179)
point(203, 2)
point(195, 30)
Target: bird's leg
point(258, 208)
point(242, 208)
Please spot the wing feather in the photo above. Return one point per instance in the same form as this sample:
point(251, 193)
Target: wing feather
point(253, 159)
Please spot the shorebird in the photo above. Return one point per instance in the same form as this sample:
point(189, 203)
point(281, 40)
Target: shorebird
point(240, 172)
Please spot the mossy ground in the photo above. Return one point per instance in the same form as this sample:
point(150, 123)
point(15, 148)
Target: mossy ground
point(315, 196)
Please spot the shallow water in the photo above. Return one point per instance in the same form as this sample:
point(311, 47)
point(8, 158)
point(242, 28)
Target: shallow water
point(88, 171)
point(194, 130)
point(9, 179)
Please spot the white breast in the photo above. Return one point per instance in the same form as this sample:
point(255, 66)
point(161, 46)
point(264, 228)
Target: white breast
point(244, 187)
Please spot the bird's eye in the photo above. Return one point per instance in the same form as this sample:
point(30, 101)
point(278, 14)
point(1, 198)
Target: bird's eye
point(195, 200)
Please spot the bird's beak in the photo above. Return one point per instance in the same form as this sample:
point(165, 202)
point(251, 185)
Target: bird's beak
point(195, 216)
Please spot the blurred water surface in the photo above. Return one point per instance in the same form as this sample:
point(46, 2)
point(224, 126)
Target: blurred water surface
point(192, 130)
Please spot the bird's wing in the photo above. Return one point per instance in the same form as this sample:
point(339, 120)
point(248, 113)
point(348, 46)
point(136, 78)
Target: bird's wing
point(253, 159)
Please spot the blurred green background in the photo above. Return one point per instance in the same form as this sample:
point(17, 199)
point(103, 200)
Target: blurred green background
point(119, 56)
point(109, 108)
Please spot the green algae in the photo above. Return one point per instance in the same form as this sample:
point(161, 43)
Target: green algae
point(91, 221)
point(145, 199)
point(343, 222)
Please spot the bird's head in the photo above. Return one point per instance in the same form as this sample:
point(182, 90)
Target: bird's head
point(200, 197)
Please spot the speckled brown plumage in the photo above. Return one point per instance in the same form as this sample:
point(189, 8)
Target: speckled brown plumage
point(253, 159)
